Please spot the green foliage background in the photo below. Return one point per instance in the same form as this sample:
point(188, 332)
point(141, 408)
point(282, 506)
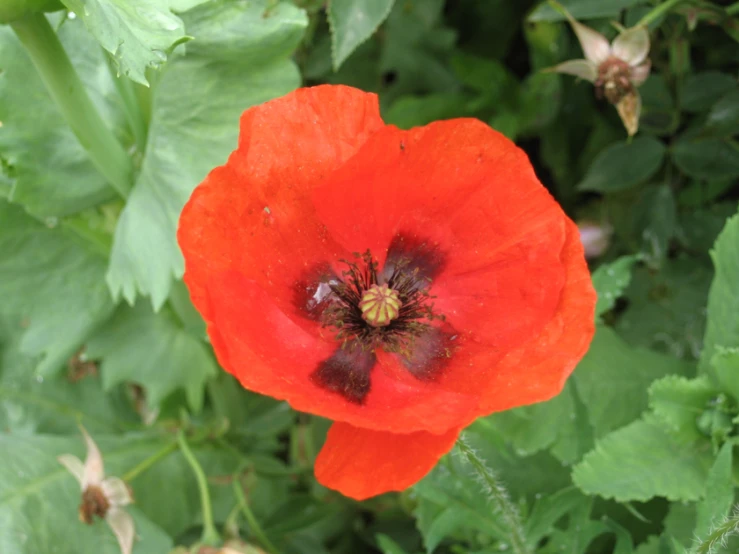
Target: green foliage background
point(635, 456)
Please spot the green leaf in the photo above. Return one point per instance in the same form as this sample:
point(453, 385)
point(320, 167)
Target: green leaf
point(719, 493)
point(388, 545)
point(352, 22)
point(610, 280)
point(659, 114)
point(725, 365)
point(724, 115)
point(39, 501)
point(678, 403)
point(624, 165)
point(57, 405)
point(240, 58)
point(641, 461)
point(540, 101)
point(51, 172)
point(413, 111)
point(659, 224)
point(138, 33)
point(613, 378)
point(666, 308)
point(548, 510)
point(701, 90)
point(153, 350)
point(722, 328)
point(707, 158)
point(583, 9)
point(51, 283)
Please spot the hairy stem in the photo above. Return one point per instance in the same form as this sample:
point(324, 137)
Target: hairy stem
point(210, 536)
point(719, 535)
point(658, 11)
point(254, 526)
point(500, 499)
point(70, 96)
point(134, 472)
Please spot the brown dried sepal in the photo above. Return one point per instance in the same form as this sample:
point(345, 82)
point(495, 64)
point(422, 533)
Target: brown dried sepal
point(94, 503)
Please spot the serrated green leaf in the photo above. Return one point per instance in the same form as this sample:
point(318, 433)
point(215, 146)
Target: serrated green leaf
point(700, 91)
point(707, 158)
point(678, 402)
point(641, 461)
point(51, 172)
point(722, 327)
point(583, 9)
point(239, 58)
point(352, 22)
point(613, 378)
point(624, 165)
point(610, 280)
point(51, 284)
point(153, 350)
point(719, 493)
point(39, 501)
point(138, 33)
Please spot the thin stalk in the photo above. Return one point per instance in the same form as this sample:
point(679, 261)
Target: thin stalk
point(134, 472)
point(256, 529)
point(70, 96)
point(658, 11)
point(500, 499)
point(134, 115)
point(210, 536)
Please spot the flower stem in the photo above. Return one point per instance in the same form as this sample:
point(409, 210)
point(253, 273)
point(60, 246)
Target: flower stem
point(500, 498)
point(136, 119)
point(134, 472)
point(70, 96)
point(256, 529)
point(210, 536)
point(658, 11)
point(718, 535)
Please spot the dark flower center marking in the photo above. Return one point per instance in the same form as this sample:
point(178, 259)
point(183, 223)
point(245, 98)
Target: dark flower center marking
point(614, 80)
point(369, 314)
point(370, 309)
point(94, 503)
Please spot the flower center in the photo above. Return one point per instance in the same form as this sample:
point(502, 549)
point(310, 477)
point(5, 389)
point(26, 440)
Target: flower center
point(380, 305)
point(94, 503)
point(372, 309)
point(614, 80)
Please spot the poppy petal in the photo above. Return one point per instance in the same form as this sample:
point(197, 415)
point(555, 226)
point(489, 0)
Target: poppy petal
point(537, 371)
point(361, 463)
point(252, 215)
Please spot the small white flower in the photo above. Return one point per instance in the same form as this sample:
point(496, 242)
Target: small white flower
point(102, 497)
point(616, 69)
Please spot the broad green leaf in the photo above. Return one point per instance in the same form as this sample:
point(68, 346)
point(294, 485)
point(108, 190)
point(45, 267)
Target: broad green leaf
point(666, 308)
point(722, 327)
point(137, 33)
point(610, 280)
point(51, 172)
point(724, 115)
point(701, 90)
point(352, 22)
point(51, 283)
point(719, 493)
point(153, 350)
point(239, 58)
point(707, 158)
point(659, 114)
point(678, 403)
point(55, 405)
point(641, 461)
point(388, 545)
point(39, 500)
point(624, 165)
point(725, 366)
point(583, 9)
point(613, 378)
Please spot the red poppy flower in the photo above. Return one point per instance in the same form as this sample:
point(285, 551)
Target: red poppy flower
point(401, 283)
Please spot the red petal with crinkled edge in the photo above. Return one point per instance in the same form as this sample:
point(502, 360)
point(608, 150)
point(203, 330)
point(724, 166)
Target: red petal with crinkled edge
point(361, 463)
point(254, 215)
